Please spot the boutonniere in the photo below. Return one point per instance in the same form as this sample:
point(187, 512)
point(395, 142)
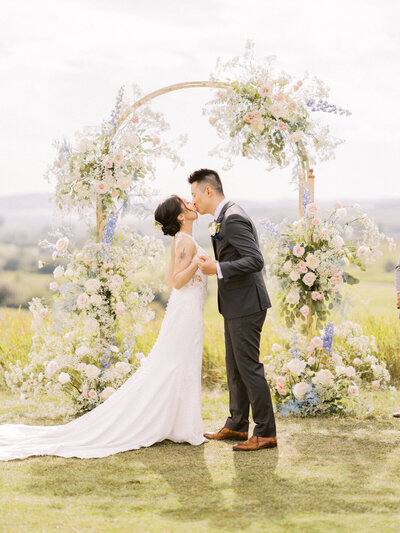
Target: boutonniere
point(214, 228)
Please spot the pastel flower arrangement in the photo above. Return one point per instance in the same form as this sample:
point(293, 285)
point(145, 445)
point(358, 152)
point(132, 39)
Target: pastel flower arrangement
point(321, 375)
point(310, 258)
point(266, 114)
point(74, 353)
point(109, 163)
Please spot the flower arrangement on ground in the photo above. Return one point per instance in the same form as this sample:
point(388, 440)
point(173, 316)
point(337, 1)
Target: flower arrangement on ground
point(321, 375)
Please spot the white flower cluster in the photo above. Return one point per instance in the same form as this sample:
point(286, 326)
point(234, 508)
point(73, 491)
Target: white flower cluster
point(111, 162)
point(306, 380)
point(71, 353)
point(265, 114)
point(310, 257)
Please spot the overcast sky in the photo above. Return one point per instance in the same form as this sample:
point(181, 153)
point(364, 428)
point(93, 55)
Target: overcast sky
point(63, 61)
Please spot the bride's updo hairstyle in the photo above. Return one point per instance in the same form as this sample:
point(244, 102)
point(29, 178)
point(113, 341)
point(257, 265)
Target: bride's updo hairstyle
point(167, 214)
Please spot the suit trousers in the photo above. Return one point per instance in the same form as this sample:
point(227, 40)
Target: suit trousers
point(246, 379)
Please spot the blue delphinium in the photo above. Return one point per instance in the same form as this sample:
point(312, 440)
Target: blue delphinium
point(115, 114)
point(128, 346)
point(271, 228)
point(294, 350)
point(305, 198)
point(328, 337)
point(326, 107)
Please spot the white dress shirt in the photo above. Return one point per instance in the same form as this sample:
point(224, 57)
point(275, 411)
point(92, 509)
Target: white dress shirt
point(216, 215)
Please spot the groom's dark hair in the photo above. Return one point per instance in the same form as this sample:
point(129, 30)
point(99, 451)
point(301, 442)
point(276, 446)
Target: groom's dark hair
point(205, 176)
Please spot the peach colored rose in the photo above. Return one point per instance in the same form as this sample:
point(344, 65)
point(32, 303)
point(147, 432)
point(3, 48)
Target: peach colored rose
point(316, 221)
point(212, 121)
point(53, 286)
point(302, 267)
point(282, 126)
point(305, 310)
point(352, 390)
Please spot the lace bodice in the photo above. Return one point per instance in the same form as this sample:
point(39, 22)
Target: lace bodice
point(198, 280)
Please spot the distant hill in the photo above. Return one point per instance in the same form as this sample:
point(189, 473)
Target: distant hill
point(26, 219)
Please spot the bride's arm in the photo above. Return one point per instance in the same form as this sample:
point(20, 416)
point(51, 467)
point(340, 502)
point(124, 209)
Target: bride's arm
point(170, 269)
point(184, 266)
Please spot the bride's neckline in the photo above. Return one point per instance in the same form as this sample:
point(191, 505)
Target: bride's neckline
point(184, 232)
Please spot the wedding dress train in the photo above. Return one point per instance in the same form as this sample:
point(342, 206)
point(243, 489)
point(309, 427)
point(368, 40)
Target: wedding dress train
point(162, 400)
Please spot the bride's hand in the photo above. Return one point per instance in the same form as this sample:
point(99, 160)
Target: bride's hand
point(207, 265)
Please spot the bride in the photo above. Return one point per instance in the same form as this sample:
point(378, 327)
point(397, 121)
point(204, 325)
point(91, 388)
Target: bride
point(162, 400)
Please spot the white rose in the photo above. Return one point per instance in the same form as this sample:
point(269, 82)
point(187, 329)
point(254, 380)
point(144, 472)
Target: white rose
point(352, 390)
point(63, 378)
point(350, 372)
point(62, 244)
point(106, 393)
point(123, 367)
point(69, 273)
point(287, 266)
point(83, 300)
point(296, 366)
point(92, 371)
point(132, 297)
point(336, 242)
point(82, 350)
point(309, 278)
point(276, 347)
point(58, 272)
point(337, 359)
point(341, 212)
point(51, 369)
point(340, 370)
point(317, 343)
point(92, 285)
point(69, 336)
point(323, 377)
point(294, 275)
point(312, 261)
point(117, 280)
point(91, 325)
point(293, 297)
point(300, 390)
point(96, 299)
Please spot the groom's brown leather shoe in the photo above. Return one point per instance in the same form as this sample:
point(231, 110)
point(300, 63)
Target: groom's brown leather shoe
point(256, 443)
point(227, 434)
point(396, 415)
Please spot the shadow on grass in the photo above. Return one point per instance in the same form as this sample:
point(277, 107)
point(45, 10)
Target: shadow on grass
point(321, 466)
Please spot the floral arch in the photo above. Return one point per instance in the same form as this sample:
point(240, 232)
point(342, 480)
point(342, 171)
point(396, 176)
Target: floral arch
point(258, 113)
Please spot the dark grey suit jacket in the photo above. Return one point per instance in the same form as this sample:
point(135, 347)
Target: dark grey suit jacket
point(242, 290)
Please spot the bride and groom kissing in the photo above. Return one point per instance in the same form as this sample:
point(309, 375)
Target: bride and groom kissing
point(162, 399)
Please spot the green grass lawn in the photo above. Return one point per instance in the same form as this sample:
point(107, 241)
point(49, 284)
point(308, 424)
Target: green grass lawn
point(327, 475)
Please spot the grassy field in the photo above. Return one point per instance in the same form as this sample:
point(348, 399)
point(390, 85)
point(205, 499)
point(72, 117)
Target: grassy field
point(326, 475)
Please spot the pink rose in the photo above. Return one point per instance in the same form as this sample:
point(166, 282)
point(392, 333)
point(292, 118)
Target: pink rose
point(57, 163)
point(278, 97)
point(309, 278)
point(376, 384)
point(280, 380)
point(156, 140)
point(352, 390)
point(92, 393)
point(120, 309)
point(299, 83)
point(315, 295)
point(305, 310)
point(292, 105)
point(276, 110)
point(85, 392)
point(316, 221)
point(281, 390)
point(212, 120)
point(108, 163)
point(302, 267)
point(311, 361)
point(265, 90)
point(282, 126)
point(357, 361)
point(53, 286)
point(311, 209)
point(135, 119)
point(252, 116)
point(298, 250)
point(220, 94)
point(337, 205)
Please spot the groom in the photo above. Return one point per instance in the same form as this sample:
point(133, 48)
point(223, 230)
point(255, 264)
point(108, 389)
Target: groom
point(243, 301)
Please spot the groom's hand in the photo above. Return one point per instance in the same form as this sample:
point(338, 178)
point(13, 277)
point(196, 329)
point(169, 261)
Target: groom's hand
point(207, 265)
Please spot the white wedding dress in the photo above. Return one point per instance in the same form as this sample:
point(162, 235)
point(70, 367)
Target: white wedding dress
point(162, 400)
